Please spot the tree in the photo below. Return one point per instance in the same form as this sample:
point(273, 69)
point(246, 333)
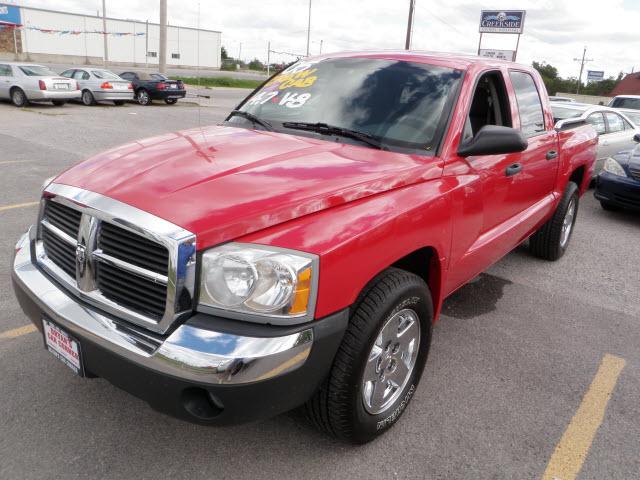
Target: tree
point(223, 53)
point(256, 64)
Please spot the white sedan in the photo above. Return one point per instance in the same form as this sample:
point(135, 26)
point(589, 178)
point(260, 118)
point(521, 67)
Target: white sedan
point(23, 83)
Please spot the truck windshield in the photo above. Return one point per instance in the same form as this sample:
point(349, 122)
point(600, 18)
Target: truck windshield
point(400, 104)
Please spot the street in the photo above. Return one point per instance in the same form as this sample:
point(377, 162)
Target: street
point(512, 355)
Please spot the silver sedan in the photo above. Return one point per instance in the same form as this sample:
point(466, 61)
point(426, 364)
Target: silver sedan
point(615, 130)
point(23, 83)
point(99, 85)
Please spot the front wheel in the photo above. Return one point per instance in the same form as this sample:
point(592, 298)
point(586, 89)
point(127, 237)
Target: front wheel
point(550, 242)
point(170, 101)
point(380, 361)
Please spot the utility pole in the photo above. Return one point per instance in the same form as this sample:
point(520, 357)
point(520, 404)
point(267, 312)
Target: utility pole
point(104, 33)
point(582, 62)
point(309, 29)
point(407, 43)
point(321, 41)
point(268, 59)
point(239, 53)
point(146, 44)
point(162, 51)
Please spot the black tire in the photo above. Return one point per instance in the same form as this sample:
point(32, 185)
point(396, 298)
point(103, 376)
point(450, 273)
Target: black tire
point(547, 242)
point(143, 98)
point(88, 98)
point(118, 102)
point(170, 101)
point(58, 103)
point(18, 97)
point(609, 207)
point(338, 406)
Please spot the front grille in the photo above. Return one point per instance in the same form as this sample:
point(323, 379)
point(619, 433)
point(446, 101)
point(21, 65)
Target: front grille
point(632, 201)
point(119, 259)
point(133, 248)
point(635, 172)
point(62, 253)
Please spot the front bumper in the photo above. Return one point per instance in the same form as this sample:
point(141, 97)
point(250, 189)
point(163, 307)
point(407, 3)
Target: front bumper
point(208, 370)
point(623, 192)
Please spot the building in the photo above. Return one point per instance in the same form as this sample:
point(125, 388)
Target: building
point(629, 85)
point(42, 35)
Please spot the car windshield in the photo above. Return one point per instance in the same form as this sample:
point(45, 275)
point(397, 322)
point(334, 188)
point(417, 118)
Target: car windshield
point(105, 75)
point(37, 71)
point(560, 113)
point(633, 103)
point(634, 117)
point(403, 104)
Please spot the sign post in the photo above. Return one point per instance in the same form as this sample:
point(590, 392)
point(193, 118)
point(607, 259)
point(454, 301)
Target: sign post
point(501, 21)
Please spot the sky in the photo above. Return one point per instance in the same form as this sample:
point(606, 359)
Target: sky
point(555, 31)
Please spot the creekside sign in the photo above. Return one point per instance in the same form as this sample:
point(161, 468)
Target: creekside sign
point(502, 21)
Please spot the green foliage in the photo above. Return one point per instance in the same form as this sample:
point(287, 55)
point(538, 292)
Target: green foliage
point(223, 53)
point(256, 64)
point(555, 83)
point(221, 82)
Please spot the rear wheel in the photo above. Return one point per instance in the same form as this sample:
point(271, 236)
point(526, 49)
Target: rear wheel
point(87, 98)
point(379, 363)
point(552, 239)
point(58, 103)
point(143, 97)
point(170, 101)
point(118, 102)
point(18, 97)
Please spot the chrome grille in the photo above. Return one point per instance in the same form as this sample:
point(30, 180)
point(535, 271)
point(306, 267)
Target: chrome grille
point(635, 172)
point(116, 257)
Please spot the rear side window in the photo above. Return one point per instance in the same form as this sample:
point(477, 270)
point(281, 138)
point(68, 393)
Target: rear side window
point(597, 120)
point(5, 71)
point(529, 104)
point(616, 123)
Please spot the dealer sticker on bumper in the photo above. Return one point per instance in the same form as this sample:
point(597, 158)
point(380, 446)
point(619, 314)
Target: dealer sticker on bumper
point(63, 346)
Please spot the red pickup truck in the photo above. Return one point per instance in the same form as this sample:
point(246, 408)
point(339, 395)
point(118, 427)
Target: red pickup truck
point(299, 254)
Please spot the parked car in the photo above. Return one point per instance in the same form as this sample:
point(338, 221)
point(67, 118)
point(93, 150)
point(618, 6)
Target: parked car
point(23, 83)
point(98, 85)
point(561, 99)
point(625, 101)
point(300, 253)
point(633, 115)
point(154, 86)
point(614, 128)
point(618, 185)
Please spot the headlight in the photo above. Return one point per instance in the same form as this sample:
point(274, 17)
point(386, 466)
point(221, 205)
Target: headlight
point(273, 284)
point(611, 166)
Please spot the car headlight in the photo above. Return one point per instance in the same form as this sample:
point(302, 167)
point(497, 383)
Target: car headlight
point(612, 166)
point(271, 284)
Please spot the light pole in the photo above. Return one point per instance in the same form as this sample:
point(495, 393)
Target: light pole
point(163, 37)
point(582, 62)
point(104, 33)
point(407, 43)
point(309, 29)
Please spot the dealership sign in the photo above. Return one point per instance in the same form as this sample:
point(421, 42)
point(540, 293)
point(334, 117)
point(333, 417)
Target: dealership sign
point(508, 55)
point(595, 75)
point(9, 14)
point(502, 21)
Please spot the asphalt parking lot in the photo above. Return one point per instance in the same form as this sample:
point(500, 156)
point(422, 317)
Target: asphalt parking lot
point(507, 382)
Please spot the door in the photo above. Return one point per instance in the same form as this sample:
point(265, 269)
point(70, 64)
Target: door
point(82, 78)
point(6, 77)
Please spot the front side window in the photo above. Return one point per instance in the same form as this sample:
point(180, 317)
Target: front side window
point(5, 71)
point(616, 124)
point(529, 104)
point(597, 120)
point(402, 104)
point(37, 71)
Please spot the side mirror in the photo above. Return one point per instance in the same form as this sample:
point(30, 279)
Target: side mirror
point(494, 140)
point(636, 137)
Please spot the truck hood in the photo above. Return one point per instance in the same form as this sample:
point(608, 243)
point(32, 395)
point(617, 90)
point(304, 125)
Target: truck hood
point(222, 182)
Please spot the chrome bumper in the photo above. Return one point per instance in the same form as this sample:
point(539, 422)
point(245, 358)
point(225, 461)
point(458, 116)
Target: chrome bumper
point(189, 353)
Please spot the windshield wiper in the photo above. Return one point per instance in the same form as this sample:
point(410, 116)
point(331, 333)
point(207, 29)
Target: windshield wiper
point(252, 118)
point(326, 129)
